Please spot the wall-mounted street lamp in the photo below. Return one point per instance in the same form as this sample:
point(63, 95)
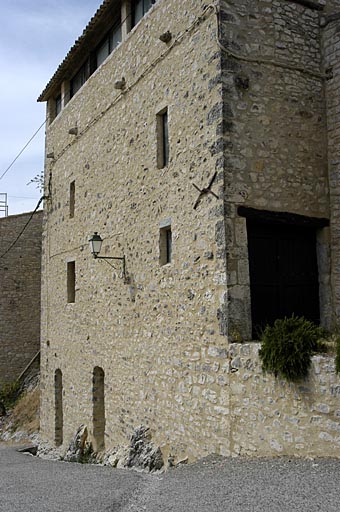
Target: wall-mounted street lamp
point(95, 247)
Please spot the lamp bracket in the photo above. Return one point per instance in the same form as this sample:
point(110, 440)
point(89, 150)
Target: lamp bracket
point(108, 257)
point(122, 258)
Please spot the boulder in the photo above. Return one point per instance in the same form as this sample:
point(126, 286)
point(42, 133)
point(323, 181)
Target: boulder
point(78, 446)
point(117, 458)
point(143, 454)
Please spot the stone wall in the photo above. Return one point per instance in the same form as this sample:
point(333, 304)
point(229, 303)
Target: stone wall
point(150, 332)
point(20, 271)
point(249, 108)
point(331, 44)
point(273, 417)
point(274, 137)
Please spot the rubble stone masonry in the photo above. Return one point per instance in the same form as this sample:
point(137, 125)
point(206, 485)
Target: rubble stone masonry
point(243, 82)
point(20, 283)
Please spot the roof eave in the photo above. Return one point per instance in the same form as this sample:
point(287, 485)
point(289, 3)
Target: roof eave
point(77, 51)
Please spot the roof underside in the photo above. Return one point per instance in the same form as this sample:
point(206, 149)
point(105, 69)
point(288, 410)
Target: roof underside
point(93, 32)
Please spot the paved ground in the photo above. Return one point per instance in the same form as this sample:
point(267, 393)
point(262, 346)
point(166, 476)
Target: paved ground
point(29, 484)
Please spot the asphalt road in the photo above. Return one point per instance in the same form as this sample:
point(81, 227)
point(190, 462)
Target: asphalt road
point(29, 484)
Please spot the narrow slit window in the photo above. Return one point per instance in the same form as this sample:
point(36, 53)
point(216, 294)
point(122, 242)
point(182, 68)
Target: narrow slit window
point(71, 281)
point(165, 245)
point(72, 198)
point(163, 139)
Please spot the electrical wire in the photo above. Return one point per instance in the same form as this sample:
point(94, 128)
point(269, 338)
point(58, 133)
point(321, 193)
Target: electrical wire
point(24, 228)
point(23, 149)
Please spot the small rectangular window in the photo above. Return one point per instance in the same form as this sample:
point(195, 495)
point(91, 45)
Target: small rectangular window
point(71, 281)
point(137, 11)
point(72, 198)
point(139, 8)
point(162, 139)
point(103, 52)
point(80, 78)
point(58, 105)
point(165, 245)
point(109, 43)
point(116, 36)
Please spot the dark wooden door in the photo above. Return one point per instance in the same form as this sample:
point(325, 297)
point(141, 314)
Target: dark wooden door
point(283, 272)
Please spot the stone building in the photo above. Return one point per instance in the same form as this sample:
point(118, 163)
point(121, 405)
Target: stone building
point(200, 141)
point(20, 283)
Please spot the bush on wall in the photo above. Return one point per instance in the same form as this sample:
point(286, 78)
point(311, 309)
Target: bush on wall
point(288, 345)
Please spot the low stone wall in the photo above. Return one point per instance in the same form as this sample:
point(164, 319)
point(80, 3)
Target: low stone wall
point(273, 417)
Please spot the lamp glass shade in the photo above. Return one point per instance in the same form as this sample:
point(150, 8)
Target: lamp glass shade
point(95, 243)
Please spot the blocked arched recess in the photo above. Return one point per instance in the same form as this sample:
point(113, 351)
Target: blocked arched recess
point(98, 400)
point(58, 407)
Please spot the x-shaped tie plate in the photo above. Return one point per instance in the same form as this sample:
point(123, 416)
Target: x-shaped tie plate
point(206, 190)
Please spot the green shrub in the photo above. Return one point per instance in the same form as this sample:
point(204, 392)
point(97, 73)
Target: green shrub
point(288, 345)
point(9, 393)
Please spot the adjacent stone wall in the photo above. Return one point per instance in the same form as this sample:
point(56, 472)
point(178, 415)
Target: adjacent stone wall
point(20, 271)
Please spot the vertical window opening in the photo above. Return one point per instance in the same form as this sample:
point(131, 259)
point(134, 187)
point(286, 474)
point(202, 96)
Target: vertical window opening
point(103, 52)
point(58, 407)
point(109, 43)
point(72, 198)
point(71, 281)
point(116, 36)
point(58, 105)
point(165, 245)
point(98, 400)
point(80, 77)
point(162, 139)
point(139, 8)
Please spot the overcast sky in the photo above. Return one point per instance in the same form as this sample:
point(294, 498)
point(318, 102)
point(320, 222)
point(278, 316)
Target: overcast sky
point(34, 38)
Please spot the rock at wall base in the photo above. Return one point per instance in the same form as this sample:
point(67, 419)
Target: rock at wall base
point(140, 455)
point(143, 454)
point(77, 446)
